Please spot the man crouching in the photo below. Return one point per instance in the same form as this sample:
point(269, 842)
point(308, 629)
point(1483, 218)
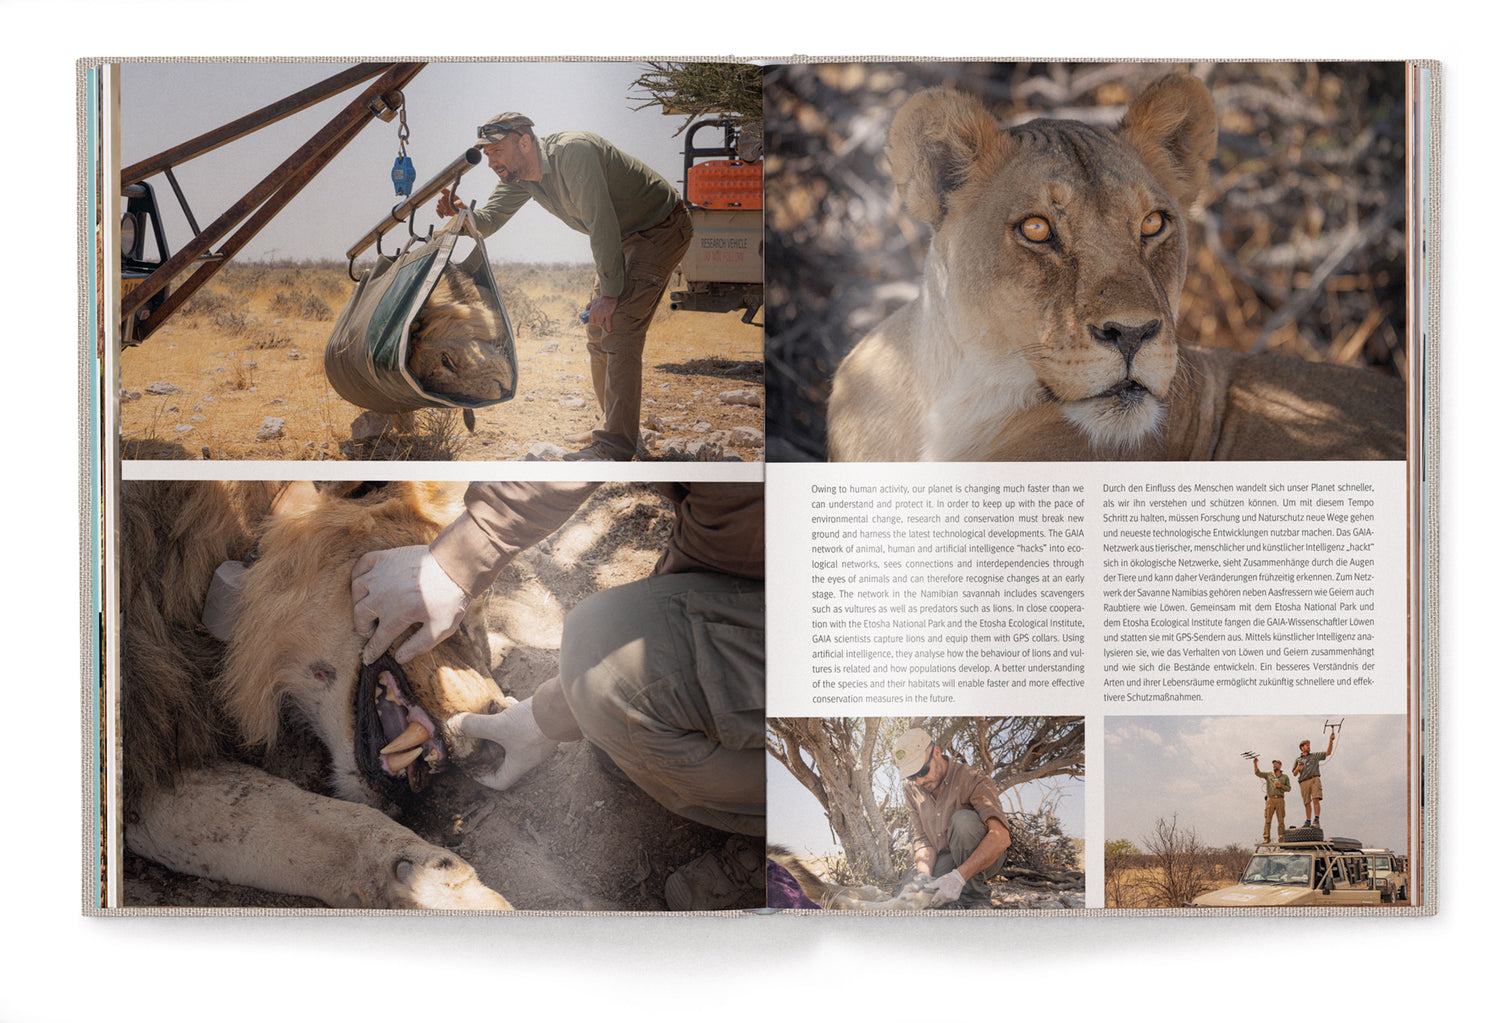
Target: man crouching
point(960, 837)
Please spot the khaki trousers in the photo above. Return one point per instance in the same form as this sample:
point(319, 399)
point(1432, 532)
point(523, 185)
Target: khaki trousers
point(668, 676)
point(615, 355)
point(1275, 806)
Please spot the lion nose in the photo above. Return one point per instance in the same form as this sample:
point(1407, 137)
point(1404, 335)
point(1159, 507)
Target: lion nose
point(1124, 338)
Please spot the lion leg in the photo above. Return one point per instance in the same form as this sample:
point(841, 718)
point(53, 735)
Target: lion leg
point(232, 822)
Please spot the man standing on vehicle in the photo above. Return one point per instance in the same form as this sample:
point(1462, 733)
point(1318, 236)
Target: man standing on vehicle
point(959, 832)
point(1306, 769)
point(1277, 786)
point(638, 228)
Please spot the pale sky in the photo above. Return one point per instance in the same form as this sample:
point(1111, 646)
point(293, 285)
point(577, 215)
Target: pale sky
point(163, 105)
point(1191, 766)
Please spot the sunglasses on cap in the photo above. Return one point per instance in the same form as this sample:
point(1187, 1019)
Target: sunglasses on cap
point(495, 132)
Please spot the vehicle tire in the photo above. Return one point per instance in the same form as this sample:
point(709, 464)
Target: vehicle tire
point(1304, 834)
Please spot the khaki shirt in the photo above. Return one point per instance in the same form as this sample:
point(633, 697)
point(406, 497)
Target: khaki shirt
point(719, 527)
point(1276, 784)
point(592, 187)
point(964, 788)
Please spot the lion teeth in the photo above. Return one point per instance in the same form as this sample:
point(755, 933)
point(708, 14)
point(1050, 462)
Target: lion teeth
point(414, 736)
point(400, 761)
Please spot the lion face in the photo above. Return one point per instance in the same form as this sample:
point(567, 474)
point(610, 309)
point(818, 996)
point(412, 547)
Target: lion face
point(1057, 260)
point(295, 645)
point(459, 345)
point(1080, 263)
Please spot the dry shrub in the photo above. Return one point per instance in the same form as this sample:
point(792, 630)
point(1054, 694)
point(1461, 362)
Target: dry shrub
point(302, 305)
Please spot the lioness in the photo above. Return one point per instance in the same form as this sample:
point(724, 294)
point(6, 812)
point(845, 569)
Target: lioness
point(459, 342)
point(1045, 324)
point(193, 708)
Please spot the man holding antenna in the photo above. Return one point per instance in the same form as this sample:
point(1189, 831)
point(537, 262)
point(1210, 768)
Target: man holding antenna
point(1306, 769)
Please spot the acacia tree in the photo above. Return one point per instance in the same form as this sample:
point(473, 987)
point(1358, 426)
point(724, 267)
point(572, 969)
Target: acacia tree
point(839, 761)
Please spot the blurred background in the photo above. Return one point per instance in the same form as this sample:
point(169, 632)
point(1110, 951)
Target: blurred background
point(1298, 246)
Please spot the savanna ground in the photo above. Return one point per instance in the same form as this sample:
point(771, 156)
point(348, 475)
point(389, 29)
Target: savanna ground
point(248, 348)
point(574, 834)
point(1298, 247)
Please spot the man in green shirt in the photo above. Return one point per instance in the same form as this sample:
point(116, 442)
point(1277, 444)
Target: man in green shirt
point(638, 228)
point(1277, 786)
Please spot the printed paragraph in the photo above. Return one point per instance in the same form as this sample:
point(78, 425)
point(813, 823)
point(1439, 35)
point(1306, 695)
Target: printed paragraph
point(919, 591)
point(1259, 585)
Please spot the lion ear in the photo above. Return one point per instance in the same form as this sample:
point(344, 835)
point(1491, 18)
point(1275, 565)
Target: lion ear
point(940, 141)
point(1174, 127)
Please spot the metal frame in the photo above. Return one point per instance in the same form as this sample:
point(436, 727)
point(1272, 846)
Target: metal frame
point(271, 195)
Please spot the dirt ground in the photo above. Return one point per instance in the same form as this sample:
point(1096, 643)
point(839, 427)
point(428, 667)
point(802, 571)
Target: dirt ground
point(248, 348)
point(574, 834)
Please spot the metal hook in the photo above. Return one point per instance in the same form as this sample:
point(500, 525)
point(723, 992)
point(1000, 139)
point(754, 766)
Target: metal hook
point(351, 271)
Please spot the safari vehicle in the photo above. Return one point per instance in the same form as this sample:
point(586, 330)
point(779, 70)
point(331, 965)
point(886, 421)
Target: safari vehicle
point(724, 268)
point(143, 248)
point(1326, 873)
point(1390, 870)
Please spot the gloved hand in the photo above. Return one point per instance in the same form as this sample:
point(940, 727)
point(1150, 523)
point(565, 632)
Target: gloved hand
point(400, 588)
point(946, 888)
point(514, 729)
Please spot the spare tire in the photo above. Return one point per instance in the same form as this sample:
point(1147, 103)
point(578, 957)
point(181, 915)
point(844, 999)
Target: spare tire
point(1309, 834)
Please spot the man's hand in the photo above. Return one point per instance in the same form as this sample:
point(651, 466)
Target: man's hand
point(396, 589)
point(515, 730)
point(946, 888)
point(448, 204)
point(602, 311)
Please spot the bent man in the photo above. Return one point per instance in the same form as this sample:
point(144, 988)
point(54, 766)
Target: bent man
point(960, 837)
point(1277, 786)
point(665, 675)
point(638, 229)
point(1307, 771)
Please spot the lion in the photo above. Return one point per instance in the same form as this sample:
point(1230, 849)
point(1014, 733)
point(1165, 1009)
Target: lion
point(1045, 324)
point(459, 342)
point(864, 899)
point(196, 710)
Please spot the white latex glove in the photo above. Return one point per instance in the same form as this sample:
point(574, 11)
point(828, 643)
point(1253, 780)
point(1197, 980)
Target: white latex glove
point(946, 888)
point(516, 731)
point(400, 588)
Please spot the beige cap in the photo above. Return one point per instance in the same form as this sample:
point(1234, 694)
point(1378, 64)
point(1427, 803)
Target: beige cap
point(910, 751)
point(498, 126)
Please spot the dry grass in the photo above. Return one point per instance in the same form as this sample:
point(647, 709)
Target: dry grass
point(250, 346)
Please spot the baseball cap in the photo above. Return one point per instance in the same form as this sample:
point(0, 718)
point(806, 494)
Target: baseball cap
point(497, 127)
point(910, 751)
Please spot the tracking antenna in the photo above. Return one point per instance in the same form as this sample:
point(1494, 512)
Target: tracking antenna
point(1249, 755)
point(1337, 726)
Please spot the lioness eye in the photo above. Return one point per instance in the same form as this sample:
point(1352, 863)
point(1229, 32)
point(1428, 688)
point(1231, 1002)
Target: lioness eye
point(448, 364)
point(1036, 229)
point(1153, 224)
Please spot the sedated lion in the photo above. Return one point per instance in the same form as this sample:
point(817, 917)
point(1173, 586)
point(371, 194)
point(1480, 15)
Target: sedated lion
point(195, 710)
point(458, 343)
point(1045, 324)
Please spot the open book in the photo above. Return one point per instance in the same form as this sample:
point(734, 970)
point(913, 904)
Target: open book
point(906, 487)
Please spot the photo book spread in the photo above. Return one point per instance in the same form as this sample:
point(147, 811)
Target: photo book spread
point(900, 487)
